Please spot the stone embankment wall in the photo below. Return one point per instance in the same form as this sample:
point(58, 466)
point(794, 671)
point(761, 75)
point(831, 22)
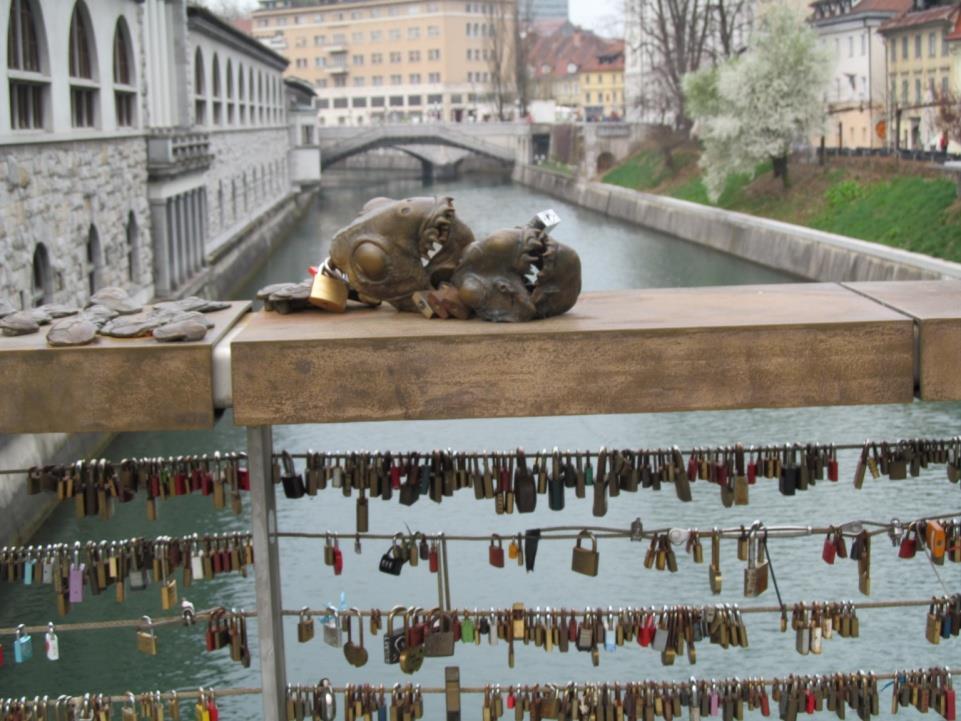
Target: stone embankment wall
point(806, 253)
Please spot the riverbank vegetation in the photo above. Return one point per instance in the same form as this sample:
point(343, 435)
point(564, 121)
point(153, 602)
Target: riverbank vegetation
point(903, 204)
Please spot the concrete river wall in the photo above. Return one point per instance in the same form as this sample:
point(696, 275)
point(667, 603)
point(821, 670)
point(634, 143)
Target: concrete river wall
point(806, 253)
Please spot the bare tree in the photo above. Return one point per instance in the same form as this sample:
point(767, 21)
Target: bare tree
point(523, 39)
point(949, 115)
point(498, 30)
point(674, 38)
point(228, 9)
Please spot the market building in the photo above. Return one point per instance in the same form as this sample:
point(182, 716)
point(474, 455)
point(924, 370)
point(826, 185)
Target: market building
point(146, 146)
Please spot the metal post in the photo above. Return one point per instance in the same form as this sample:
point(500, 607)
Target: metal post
point(270, 622)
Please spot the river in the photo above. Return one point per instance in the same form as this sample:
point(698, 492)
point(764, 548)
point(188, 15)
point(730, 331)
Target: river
point(614, 255)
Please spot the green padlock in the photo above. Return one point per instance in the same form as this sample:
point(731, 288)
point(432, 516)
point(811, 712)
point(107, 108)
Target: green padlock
point(467, 630)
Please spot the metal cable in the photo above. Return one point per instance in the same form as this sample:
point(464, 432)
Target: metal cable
point(474, 612)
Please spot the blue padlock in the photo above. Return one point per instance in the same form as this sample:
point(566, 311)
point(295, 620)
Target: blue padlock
point(22, 646)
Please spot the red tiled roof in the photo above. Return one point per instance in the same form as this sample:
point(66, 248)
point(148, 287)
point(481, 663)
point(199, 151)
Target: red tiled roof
point(956, 35)
point(244, 25)
point(881, 6)
point(942, 13)
point(552, 53)
point(609, 59)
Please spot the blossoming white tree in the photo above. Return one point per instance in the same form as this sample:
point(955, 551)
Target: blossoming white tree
point(752, 107)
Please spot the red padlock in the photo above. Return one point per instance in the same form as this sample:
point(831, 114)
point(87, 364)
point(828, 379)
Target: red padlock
point(752, 473)
point(829, 551)
point(495, 554)
point(338, 561)
point(433, 559)
point(950, 714)
point(212, 709)
point(809, 702)
point(395, 476)
point(909, 544)
point(692, 467)
point(765, 703)
point(511, 700)
point(243, 479)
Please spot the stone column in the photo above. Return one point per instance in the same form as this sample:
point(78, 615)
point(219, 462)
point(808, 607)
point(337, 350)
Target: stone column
point(160, 229)
point(191, 223)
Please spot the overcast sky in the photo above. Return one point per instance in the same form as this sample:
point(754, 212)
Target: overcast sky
point(603, 16)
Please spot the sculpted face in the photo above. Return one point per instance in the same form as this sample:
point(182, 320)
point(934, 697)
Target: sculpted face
point(397, 247)
point(518, 274)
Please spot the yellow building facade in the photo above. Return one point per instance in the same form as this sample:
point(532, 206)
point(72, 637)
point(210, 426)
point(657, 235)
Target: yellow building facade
point(919, 71)
point(601, 87)
point(393, 60)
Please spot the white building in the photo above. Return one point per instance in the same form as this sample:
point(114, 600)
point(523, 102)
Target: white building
point(857, 98)
point(143, 146)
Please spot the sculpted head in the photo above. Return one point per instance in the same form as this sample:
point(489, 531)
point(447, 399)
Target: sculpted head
point(518, 274)
point(397, 247)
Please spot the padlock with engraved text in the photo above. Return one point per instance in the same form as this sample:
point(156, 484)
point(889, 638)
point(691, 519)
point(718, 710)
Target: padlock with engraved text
point(395, 641)
point(585, 560)
point(440, 640)
point(305, 626)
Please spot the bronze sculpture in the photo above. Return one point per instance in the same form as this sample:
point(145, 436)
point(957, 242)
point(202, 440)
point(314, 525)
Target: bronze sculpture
point(417, 255)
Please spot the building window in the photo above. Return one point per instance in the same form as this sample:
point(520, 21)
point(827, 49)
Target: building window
point(944, 86)
point(133, 248)
point(396, 79)
point(26, 67)
point(340, 82)
point(83, 88)
point(894, 51)
point(358, 82)
point(319, 40)
point(850, 46)
point(415, 78)
point(357, 60)
point(395, 57)
point(864, 44)
point(94, 261)
point(200, 102)
point(215, 86)
point(42, 284)
point(394, 33)
point(357, 37)
point(376, 58)
point(396, 101)
point(377, 80)
point(358, 103)
point(241, 107)
point(905, 98)
point(945, 50)
point(340, 102)
point(917, 90)
point(323, 103)
point(932, 45)
point(413, 56)
point(124, 93)
point(301, 62)
point(917, 46)
point(433, 31)
point(433, 54)
point(230, 93)
point(377, 102)
point(434, 78)
point(904, 47)
point(413, 33)
point(413, 99)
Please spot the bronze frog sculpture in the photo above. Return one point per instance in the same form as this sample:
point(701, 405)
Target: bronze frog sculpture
point(417, 255)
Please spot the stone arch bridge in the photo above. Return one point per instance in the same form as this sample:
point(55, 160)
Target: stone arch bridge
point(442, 147)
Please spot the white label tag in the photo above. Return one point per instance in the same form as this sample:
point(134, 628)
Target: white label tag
point(52, 646)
